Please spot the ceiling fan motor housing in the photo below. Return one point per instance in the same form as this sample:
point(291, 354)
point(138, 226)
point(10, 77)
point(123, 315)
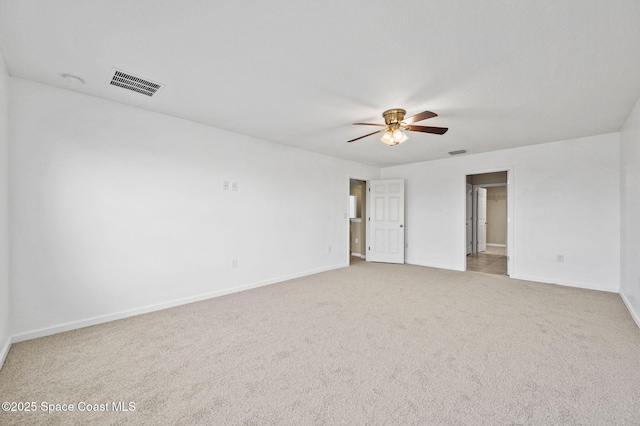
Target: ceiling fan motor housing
point(393, 116)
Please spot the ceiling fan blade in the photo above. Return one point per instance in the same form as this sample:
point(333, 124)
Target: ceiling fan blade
point(419, 117)
point(353, 140)
point(368, 124)
point(428, 129)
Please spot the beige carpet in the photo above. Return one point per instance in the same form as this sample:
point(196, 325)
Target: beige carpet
point(369, 344)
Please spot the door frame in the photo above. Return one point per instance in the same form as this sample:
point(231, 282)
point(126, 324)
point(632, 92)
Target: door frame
point(511, 203)
point(364, 219)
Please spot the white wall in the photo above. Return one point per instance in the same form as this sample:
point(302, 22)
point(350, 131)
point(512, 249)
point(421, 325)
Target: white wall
point(5, 331)
point(630, 213)
point(566, 200)
point(115, 209)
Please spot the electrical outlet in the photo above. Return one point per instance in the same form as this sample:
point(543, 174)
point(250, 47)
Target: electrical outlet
point(357, 240)
point(234, 263)
point(560, 258)
point(225, 185)
point(234, 186)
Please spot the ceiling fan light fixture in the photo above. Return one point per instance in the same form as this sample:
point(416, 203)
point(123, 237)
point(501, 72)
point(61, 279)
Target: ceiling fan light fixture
point(393, 137)
point(399, 136)
point(387, 138)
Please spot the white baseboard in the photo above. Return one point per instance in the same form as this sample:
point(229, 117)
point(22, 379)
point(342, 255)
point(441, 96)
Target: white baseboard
point(634, 314)
point(496, 245)
point(575, 284)
point(361, 256)
point(5, 351)
point(73, 325)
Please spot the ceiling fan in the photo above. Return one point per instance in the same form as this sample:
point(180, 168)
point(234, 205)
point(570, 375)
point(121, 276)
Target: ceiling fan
point(396, 125)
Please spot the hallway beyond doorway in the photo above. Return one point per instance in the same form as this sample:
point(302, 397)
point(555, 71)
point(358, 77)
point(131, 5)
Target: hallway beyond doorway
point(491, 261)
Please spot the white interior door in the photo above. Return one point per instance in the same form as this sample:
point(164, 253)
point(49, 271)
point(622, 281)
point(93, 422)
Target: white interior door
point(481, 218)
point(469, 218)
point(386, 220)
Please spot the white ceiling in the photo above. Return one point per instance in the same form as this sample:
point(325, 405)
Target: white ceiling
point(499, 73)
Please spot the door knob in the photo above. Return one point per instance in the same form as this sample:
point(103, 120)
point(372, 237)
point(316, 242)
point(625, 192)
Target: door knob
point(401, 226)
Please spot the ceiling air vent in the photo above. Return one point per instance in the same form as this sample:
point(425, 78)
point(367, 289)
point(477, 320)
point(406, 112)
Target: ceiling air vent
point(458, 152)
point(133, 82)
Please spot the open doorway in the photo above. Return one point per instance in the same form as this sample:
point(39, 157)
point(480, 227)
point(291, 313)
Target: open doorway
point(357, 222)
point(487, 223)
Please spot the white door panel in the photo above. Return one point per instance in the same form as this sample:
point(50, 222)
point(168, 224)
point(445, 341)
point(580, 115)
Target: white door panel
point(469, 218)
point(386, 221)
point(482, 220)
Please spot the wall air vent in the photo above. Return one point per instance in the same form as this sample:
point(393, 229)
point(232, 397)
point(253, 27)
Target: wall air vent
point(133, 82)
point(458, 152)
